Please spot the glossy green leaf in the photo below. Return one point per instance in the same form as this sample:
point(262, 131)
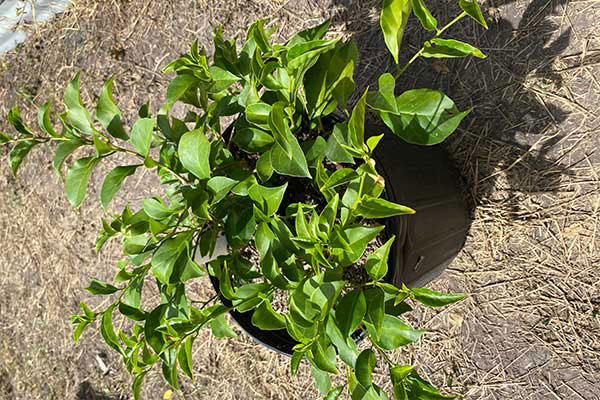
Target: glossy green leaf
point(356, 238)
point(166, 256)
point(266, 318)
point(77, 115)
point(293, 165)
point(258, 114)
point(322, 380)
point(329, 214)
point(434, 299)
point(335, 152)
point(356, 124)
point(375, 308)
point(345, 345)
point(14, 118)
point(184, 357)
point(253, 140)
point(220, 186)
point(295, 363)
point(240, 225)
point(473, 10)
point(450, 48)
point(395, 333)
point(64, 150)
point(350, 311)
point(156, 208)
point(365, 364)
point(178, 88)
point(399, 372)
point(419, 388)
point(334, 393)
point(268, 199)
point(18, 153)
point(108, 114)
point(424, 15)
point(4, 138)
point(107, 330)
point(194, 153)
point(137, 385)
point(221, 329)
point(264, 168)
point(377, 262)
point(44, 121)
point(339, 177)
point(394, 16)
point(370, 207)
point(97, 287)
point(373, 141)
point(323, 358)
point(424, 116)
point(78, 178)
point(141, 135)
point(384, 99)
point(113, 182)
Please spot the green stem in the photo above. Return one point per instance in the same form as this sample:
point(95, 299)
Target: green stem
point(420, 52)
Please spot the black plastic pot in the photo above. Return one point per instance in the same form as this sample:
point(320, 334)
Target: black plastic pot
point(424, 179)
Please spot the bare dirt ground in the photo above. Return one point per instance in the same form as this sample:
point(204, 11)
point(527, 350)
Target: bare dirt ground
point(530, 330)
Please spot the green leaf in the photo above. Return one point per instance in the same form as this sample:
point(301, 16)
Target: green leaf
point(312, 33)
point(77, 115)
point(178, 88)
point(295, 363)
point(155, 208)
point(371, 207)
point(253, 140)
point(345, 345)
point(303, 55)
point(266, 318)
point(184, 357)
point(220, 328)
point(64, 150)
point(322, 380)
point(450, 48)
point(264, 168)
point(220, 186)
point(373, 141)
point(240, 225)
point(334, 393)
point(356, 238)
point(350, 311)
point(473, 10)
point(434, 299)
point(335, 152)
point(4, 138)
point(14, 118)
point(268, 199)
point(384, 99)
point(339, 177)
point(324, 359)
point(44, 120)
point(97, 287)
point(78, 178)
point(137, 385)
point(327, 217)
point(395, 333)
point(375, 308)
point(424, 117)
point(194, 153)
point(18, 153)
point(108, 114)
point(141, 135)
point(377, 262)
point(399, 372)
point(356, 124)
point(424, 15)
point(258, 114)
point(419, 388)
point(166, 256)
point(394, 16)
point(107, 330)
point(293, 165)
point(365, 364)
point(113, 182)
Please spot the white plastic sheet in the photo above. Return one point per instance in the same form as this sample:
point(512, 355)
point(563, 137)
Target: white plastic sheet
point(15, 12)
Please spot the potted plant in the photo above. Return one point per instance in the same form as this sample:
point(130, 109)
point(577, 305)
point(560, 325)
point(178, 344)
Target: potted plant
point(282, 208)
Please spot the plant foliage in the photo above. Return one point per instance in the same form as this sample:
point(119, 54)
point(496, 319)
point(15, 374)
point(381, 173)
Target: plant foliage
point(235, 183)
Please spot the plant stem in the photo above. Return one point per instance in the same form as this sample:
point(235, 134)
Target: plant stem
point(420, 52)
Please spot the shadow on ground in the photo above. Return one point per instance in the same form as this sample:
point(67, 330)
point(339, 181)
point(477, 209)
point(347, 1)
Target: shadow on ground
point(510, 117)
point(86, 391)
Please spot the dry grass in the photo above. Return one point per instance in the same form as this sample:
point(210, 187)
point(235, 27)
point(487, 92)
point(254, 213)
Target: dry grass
point(530, 330)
